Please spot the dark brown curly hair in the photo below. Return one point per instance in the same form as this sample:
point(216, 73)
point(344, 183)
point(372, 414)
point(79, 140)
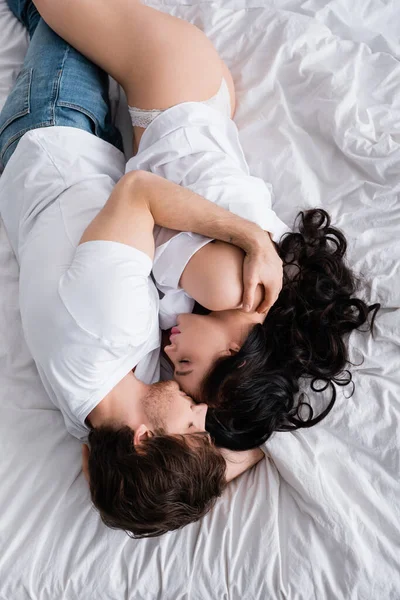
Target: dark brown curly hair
point(255, 392)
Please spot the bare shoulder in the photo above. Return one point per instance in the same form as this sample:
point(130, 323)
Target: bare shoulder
point(214, 276)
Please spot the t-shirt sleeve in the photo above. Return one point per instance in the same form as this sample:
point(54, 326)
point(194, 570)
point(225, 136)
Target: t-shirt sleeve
point(106, 290)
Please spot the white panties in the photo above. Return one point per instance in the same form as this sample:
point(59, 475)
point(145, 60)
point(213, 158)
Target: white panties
point(221, 102)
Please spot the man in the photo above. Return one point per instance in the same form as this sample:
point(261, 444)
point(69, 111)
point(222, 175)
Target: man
point(88, 306)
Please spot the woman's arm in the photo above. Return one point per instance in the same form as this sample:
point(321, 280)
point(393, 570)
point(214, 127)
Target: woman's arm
point(155, 201)
point(239, 462)
point(236, 462)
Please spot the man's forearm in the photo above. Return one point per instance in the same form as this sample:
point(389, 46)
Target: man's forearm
point(181, 209)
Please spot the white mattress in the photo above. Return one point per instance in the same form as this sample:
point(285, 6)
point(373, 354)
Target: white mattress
point(318, 86)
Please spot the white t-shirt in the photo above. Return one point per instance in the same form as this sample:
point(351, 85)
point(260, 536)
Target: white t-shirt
point(198, 147)
point(89, 312)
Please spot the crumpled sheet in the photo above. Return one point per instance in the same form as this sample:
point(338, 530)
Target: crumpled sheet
point(318, 88)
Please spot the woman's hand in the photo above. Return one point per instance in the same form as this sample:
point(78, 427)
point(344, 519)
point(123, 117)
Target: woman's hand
point(262, 266)
point(239, 462)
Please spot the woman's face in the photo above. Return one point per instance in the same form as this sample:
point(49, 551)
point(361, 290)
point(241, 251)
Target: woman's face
point(195, 344)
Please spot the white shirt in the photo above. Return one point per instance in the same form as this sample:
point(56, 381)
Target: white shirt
point(89, 312)
point(198, 147)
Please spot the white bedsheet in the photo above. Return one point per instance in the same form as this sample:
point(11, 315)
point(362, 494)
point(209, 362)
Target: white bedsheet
point(318, 86)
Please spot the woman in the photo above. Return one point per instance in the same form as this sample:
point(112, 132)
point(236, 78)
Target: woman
point(245, 363)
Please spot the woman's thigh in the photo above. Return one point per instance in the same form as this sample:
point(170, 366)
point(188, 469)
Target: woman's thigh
point(160, 60)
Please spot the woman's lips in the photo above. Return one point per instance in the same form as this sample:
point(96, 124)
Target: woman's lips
point(174, 331)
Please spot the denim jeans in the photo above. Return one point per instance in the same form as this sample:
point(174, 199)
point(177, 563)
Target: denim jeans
point(57, 86)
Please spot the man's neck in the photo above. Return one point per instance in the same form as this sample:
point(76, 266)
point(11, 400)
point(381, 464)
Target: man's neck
point(121, 406)
point(101, 414)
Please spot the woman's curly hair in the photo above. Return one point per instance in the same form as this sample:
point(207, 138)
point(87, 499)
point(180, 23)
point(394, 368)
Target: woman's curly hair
point(255, 392)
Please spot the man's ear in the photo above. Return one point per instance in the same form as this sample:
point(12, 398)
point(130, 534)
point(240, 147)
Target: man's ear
point(233, 348)
point(142, 433)
point(85, 462)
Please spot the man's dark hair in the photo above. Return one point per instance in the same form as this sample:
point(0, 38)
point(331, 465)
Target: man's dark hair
point(163, 484)
point(255, 392)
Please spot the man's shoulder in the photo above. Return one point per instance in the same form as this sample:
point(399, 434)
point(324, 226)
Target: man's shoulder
point(108, 291)
point(72, 151)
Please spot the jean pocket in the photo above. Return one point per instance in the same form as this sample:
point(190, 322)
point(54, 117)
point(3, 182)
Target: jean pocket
point(18, 103)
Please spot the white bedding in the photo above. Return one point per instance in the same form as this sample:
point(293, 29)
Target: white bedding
point(318, 87)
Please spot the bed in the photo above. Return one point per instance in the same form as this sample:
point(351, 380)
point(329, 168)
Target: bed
point(318, 87)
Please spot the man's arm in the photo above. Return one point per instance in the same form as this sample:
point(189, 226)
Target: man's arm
point(140, 200)
point(125, 218)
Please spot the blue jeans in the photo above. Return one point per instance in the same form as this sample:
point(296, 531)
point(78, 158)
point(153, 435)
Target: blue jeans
point(57, 86)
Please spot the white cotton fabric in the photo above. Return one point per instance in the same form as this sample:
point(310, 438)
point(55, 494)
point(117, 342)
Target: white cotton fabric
point(90, 311)
point(318, 115)
point(198, 147)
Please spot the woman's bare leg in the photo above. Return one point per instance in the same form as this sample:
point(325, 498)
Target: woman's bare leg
point(158, 59)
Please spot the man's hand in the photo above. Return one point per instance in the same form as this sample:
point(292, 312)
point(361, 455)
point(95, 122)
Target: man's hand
point(262, 266)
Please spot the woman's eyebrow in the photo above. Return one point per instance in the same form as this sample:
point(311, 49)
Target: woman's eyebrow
point(183, 373)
